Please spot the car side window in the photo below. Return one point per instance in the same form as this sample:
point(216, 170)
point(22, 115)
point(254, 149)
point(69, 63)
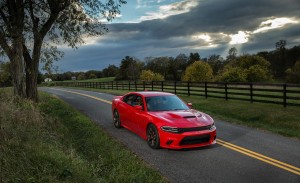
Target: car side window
point(129, 99)
point(138, 100)
point(133, 100)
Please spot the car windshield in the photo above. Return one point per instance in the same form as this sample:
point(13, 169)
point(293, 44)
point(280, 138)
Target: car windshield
point(165, 103)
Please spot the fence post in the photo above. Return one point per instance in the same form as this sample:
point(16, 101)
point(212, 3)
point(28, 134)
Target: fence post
point(152, 85)
point(175, 87)
point(135, 85)
point(129, 85)
point(226, 94)
point(162, 85)
point(188, 88)
point(251, 92)
point(144, 86)
point(284, 95)
point(205, 89)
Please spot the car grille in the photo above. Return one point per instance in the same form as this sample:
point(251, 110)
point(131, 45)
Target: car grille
point(195, 140)
point(182, 130)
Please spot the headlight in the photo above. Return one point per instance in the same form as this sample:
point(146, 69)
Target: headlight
point(212, 127)
point(170, 129)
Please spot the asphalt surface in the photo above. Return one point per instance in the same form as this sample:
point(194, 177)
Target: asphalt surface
point(217, 163)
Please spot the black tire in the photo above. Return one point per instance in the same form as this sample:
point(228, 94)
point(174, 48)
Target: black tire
point(116, 119)
point(153, 137)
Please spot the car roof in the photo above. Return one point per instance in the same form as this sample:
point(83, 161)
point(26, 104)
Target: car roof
point(151, 93)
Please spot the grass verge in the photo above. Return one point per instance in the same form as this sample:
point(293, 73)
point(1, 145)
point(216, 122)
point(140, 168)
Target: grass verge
point(270, 117)
point(52, 142)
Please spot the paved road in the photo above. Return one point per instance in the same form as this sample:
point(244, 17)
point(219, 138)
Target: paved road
point(241, 155)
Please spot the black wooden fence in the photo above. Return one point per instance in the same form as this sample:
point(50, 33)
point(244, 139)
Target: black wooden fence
point(284, 94)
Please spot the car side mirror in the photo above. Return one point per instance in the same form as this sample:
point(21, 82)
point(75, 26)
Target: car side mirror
point(138, 107)
point(190, 105)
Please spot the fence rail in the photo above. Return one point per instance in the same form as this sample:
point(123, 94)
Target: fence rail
point(283, 94)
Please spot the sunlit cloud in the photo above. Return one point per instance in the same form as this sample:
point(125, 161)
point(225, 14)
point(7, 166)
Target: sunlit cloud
point(275, 24)
point(239, 38)
point(171, 9)
point(205, 37)
point(208, 41)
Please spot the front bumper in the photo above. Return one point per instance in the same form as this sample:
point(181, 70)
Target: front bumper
point(188, 139)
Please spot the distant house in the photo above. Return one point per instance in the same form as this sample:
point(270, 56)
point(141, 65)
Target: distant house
point(73, 78)
point(48, 80)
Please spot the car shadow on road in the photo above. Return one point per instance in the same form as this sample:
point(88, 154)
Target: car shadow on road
point(198, 148)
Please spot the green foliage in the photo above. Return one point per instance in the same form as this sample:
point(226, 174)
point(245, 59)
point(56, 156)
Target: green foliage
point(199, 71)
point(235, 74)
point(257, 73)
point(158, 77)
point(177, 66)
point(232, 54)
point(110, 71)
point(158, 65)
point(193, 58)
point(92, 76)
point(81, 76)
point(130, 68)
point(246, 68)
point(293, 74)
point(216, 62)
point(148, 75)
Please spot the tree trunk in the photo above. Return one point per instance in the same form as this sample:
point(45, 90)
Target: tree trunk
point(18, 68)
point(31, 81)
point(32, 69)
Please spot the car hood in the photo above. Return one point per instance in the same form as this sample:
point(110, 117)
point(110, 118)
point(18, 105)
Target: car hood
point(184, 118)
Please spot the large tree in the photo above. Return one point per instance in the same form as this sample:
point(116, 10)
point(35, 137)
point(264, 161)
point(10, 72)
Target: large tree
point(130, 68)
point(31, 30)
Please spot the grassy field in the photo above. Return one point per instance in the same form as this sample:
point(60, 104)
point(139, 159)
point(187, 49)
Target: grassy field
point(107, 79)
point(52, 142)
point(270, 117)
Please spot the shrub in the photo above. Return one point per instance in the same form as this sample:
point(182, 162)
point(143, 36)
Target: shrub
point(199, 71)
point(293, 74)
point(235, 74)
point(148, 75)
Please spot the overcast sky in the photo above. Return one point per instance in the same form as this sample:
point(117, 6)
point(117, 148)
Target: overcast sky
point(170, 27)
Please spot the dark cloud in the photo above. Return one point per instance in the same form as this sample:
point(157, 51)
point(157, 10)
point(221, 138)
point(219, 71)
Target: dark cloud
point(173, 35)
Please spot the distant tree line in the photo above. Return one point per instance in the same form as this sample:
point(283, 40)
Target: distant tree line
point(281, 64)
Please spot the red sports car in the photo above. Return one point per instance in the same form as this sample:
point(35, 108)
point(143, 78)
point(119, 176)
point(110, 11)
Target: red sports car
point(164, 120)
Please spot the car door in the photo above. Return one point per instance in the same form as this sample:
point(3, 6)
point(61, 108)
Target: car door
point(139, 117)
point(125, 111)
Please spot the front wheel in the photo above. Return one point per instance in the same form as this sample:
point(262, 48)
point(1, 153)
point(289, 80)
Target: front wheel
point(152, 137)
point(116, 119)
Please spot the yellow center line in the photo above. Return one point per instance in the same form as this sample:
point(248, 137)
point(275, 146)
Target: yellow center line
point(242, 150)
point(96, 98)
point(260, 157)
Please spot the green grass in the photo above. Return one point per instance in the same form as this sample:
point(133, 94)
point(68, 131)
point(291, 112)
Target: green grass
point(270, 117)
point(52, 142)
point(107, 79)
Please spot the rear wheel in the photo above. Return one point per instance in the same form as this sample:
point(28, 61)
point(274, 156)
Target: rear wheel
point(116, 119)
point(152, 137)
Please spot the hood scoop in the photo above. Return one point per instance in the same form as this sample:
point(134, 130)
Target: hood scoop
point(189, 117)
